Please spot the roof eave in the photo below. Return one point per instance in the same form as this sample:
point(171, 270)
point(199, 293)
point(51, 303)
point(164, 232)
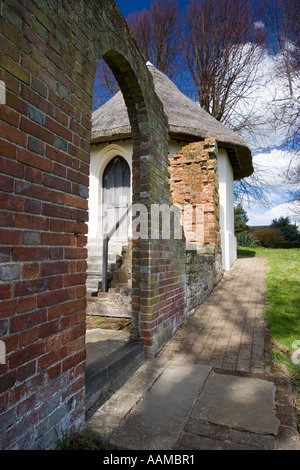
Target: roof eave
point(239, 155)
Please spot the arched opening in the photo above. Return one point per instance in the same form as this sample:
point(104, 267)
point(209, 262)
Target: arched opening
point(111, 322)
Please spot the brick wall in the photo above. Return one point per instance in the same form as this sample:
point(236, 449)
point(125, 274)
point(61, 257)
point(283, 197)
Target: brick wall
point(195, 188)
point(49, 54)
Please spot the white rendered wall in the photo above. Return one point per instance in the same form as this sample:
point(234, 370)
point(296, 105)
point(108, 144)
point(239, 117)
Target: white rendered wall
point(228, 240)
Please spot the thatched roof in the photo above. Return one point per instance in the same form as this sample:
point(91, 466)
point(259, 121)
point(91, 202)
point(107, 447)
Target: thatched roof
point(187, 122)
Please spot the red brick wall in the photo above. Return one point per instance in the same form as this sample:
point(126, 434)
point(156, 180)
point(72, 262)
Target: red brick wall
point(195, 183)
point(49, 54)
point(195, 186)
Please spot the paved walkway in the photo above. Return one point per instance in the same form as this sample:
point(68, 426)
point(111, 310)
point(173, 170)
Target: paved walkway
point(212, 385)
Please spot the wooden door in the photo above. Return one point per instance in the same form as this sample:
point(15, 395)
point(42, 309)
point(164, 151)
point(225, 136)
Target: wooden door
point(116, 195)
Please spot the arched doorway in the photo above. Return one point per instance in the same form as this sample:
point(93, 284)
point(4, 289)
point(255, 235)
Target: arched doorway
point(116, 197)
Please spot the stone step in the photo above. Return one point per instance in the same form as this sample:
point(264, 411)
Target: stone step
point(114, 303)
point(97, 258)
point(93, 286)
point(110, 373)
point(94, 262)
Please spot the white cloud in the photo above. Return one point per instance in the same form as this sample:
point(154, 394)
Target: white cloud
point(265, 102)
point(275, 165)
point(260, 216)
point(259, 25)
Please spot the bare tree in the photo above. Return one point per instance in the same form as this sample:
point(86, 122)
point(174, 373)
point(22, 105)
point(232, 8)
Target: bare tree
point(105, 85)
point(282, 19)
point(158, 32)
point(222, 49)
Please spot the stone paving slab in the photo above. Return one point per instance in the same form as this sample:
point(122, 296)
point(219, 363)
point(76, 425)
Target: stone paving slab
point(238, 402)
point(158, 420)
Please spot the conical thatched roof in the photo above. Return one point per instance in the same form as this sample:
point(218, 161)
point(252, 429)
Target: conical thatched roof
point(187, 122)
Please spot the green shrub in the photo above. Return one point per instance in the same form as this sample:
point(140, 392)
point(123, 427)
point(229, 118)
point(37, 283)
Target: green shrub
point(77, 441)
point(246, 239)
point(268, 237)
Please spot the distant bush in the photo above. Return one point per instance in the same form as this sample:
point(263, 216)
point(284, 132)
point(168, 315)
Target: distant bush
point(287, 245)
point(246, 239)
point(289, 231)
point(268, 237)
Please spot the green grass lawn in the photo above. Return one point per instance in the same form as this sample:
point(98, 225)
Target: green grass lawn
point(283, 312)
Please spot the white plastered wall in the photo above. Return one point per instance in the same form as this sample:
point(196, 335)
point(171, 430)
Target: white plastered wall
point(228, 240)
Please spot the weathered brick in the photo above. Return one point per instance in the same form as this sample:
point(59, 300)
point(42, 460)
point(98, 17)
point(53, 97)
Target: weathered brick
point(59, 156)
point(31, 238)
point(9, 237)
point(27, 320)
point(8, 308)
point(59, 130)
point(36, 145)
point(6, 219)
point(32, 271)
point(14, 68)
point(4, 325)
point(39, 86)
point(7, 381)
point(63, 92)
point(9, 272)
point(28, 337)
point(75, 201)
point(20, 253)
point(13, 135)
point(36, 130)
point(60, 143)
point(52, 298)
point(26, 304)
point(75, 253)
point(57, 183)
point(32, 206)
point(54, 267)
point(74, 279)
point(27, 354)
point(7, 150)
point(33, 175)
point(52, 210)
point(11, 202)
point(10, 116)
point(36, 115)
point(34, 222)
point(6, 183)
point(12, 17)
point(51, 358)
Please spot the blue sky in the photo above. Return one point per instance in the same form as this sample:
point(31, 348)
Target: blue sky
point(126, 6)
point(130, 6)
